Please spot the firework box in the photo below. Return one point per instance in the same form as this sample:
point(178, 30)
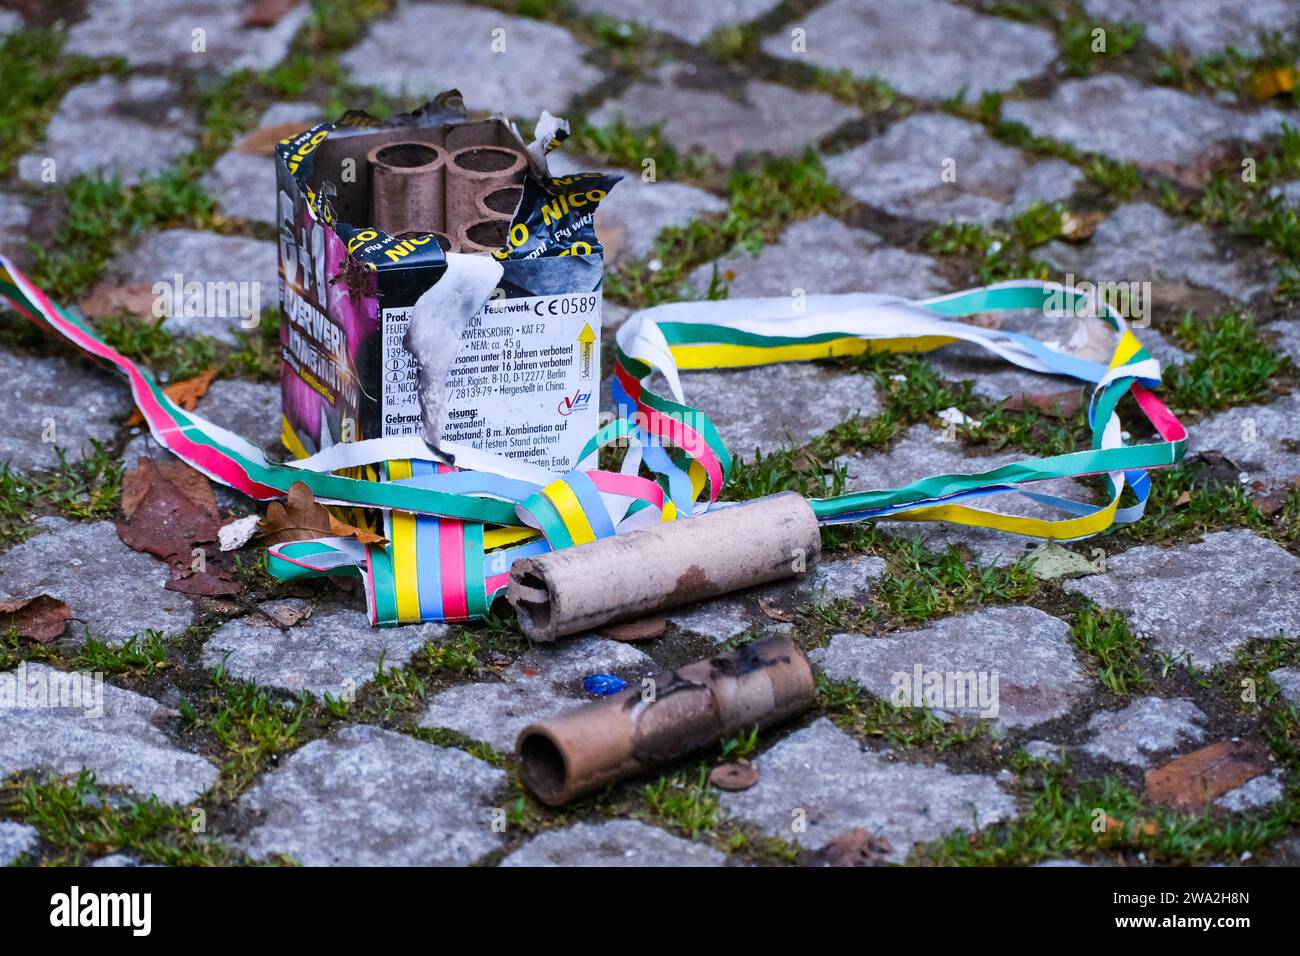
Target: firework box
point(522, 369)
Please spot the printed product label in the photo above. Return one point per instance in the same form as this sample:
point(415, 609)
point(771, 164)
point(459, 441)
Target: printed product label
point(525, 383)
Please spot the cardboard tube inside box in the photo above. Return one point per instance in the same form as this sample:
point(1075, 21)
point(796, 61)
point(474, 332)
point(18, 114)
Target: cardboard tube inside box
point(476, 172)
point(677, 713)
point(487, 235)
point(500, 203)
point(663, 566)
point(407, 187)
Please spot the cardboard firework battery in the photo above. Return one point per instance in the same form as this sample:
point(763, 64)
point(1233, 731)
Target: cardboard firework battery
point(523, 374)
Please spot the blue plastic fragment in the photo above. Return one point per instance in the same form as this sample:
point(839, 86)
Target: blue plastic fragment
point(603, 684)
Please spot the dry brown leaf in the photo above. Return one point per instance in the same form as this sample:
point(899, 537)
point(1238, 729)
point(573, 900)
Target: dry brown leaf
point(185, 393)
point(1189, 782)
point(41, 618)
point(214, 580)
point(806, 463)
point(220, 606)
point(734, 777)
point(263, 140)
point(1270, 504)
point(774, 612)
point(1183, 500)
point(1064, 404)
point(280, 617)
point(300, 518)
point(194, 485)
point(854, 847)
point(170, 512)
point(109, 299)
point(267, 13)
point(173, 520)
point(1078, 226)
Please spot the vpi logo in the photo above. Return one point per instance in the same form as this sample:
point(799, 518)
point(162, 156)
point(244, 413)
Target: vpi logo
point(576, 402)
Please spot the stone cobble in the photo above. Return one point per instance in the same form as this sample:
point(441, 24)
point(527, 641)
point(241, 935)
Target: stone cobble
point(940, 168)
point(492, 58)
point(878, 38)
point(759, 117)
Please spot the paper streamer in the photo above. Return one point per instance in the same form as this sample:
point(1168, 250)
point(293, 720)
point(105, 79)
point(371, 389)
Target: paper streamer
point(454, 529)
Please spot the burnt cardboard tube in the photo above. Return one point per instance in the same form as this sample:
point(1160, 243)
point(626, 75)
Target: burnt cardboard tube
point(672, 715)
point(407, 187)
point(475, 172)
point(642, 572)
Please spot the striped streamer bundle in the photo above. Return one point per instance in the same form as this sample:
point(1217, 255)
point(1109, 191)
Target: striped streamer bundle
point(453, 530)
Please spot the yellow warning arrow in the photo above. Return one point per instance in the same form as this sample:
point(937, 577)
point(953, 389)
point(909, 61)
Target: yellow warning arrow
point(587, 351)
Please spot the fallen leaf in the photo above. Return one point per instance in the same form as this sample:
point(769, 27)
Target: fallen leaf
point(1065, 404)
point(1270, 504)
point(40, 619)
point(1078, 226)
point(854, 847)
point(212, 581)
point(109, 299)
point(171, 513)
point(734, 777)
point(774, 612)
point(642, 629)
point(167, 518)
point(282, 617)
point(300, 518)
point(806, 463)
point(193, 484)
point(1183, 500)
point(224, 608)
point(185, 393)
point(237, 533)
point(1266, 84)
point(263, 140)
point(1189, 782)
point(267, 13)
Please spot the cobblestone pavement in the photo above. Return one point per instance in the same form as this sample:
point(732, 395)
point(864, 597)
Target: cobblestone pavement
point(845, 145)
